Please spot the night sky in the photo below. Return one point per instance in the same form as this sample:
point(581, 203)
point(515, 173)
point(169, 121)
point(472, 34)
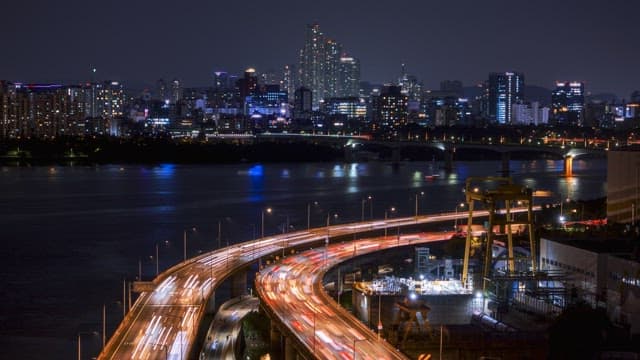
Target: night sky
point(140, 41)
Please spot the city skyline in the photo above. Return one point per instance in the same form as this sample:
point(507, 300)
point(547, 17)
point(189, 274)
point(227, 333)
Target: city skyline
point(138, 43)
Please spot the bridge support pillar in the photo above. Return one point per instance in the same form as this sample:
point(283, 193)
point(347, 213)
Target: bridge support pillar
point(448, 160)
point(506, 157)
point(290, 352)
point(239, 283)
point(348, 154)
point(276, 339)
point(395, 155)
point(568, 166)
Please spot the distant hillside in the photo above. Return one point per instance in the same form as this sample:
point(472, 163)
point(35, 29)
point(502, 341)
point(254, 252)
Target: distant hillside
point(603, 97)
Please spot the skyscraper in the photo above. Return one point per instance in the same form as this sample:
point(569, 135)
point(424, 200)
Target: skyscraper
point(391, 107)
point(289, 80)
point(333, 53)
point(320, 65)
point(567, 103)
point(248, 84)
point(221, 81)
point(176, 91)
point(302, 103)
point(505, 89)
point(312, 65)
point(349, 77)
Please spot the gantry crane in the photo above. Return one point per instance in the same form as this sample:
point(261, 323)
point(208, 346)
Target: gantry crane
point(492, 192)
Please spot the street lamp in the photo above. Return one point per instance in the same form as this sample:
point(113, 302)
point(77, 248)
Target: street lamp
point(386, 213)
point(370, 199)
point(93, 333)
point(455, 223)
point(284, 230)
point(421, 193)
point(268, 211)
point(328, 220)
point(309, 214)
point(104, 322)
point(184, 242)
point(326, 240)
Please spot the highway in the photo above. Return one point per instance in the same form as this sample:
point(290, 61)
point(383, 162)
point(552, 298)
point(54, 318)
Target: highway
point(292, 289)
point(221, 338)
point(162, 324)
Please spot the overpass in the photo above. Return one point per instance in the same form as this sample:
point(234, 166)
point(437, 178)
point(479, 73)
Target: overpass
point(165, 323)
point(311, 323)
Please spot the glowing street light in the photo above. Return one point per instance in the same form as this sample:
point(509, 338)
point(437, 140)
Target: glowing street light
point(309, 213)
point(421, 193)
point(184, 241)
point(455, 223)
point(386, 213)
point(370, 200)
point(268, 211)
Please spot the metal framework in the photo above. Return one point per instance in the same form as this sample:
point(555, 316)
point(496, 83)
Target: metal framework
point(491, 192)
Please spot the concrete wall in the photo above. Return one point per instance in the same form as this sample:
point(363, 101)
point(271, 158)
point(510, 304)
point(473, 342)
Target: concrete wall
point(623, 185)
point(604, 280)
point(580, 266)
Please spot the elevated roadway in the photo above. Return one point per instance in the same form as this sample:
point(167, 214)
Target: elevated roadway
point(164, 323)
point(311, 321)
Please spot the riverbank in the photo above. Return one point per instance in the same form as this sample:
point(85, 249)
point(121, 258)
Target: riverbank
point(108, 150)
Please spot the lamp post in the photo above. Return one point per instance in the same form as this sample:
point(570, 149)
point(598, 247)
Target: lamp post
point(309, 214)
point(386, 213)
point(93, 333)
point(455, 223)
point(157, 261)
point(284, 230)
point(421, 193)
point(369, 198)
point(184, 242)
point(267, 210)
point(326, 240)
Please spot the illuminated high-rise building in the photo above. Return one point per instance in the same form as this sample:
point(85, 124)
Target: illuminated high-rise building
point(504, 90)
point(409, 85)
point(289, 80)
point(391, 107)
point(320, 65)
point(567, 103)
point(332, 69)
point(176, 91)
point(269, 78)
point(312, 63)
point(221, 81)
point(303, 103)
point(249, 83)
point(162, 93)
point(349, 81)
